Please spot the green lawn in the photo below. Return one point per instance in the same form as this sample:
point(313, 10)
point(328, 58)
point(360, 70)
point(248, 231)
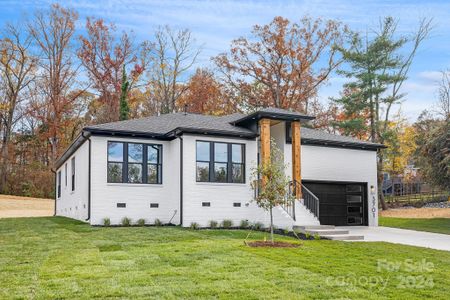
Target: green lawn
point(438, 225)
point(48, 258)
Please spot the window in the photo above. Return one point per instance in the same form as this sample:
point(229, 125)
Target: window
point(115, 162)
point(59, 184)
point(65, 174)
point(154, 164)
point(73, 173)
point(220, 162)
point(134, 163)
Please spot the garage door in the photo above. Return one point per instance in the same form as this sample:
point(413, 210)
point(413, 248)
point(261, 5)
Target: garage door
point(341, 204)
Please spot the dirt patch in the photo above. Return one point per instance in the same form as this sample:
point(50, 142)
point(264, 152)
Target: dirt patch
point(272, 245)
point(16, 206)
point(419, 213)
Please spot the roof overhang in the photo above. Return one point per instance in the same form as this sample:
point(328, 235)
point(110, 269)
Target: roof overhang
point(80, 139)
point(339, 144)
point(256, 116)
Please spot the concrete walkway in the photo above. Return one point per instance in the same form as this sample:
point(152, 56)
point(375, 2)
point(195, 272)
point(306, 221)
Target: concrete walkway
point(401, 236)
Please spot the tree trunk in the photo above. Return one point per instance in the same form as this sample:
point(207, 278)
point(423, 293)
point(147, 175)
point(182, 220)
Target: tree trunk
point(3, 168)
point(380, 180)
point(271, 225)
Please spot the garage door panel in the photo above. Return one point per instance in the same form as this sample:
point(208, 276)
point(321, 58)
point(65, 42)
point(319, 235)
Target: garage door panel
point(341, 204)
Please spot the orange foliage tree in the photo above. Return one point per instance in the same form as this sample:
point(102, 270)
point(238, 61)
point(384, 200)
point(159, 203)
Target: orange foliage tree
point(278, 65)
point(205, 95)
point(104, 59)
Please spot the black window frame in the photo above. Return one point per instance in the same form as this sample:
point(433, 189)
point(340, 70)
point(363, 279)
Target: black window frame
point(212, 162)
point(65, 174)
point(58, 185)
point(288, 132)
point(72, 162)
point(145, 163)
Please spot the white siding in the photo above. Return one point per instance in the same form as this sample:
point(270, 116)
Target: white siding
point(137, 197)
point(74, 204)
point(339, 164)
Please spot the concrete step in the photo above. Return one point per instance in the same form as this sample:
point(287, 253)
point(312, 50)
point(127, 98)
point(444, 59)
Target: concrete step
point(322, 232)
point(344, 237)
point(313, 227)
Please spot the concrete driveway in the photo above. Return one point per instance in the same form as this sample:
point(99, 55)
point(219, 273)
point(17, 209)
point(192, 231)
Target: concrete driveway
point(401, 236)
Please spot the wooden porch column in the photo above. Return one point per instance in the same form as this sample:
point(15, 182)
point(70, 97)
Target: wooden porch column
point(296, 157)
point(264, 125)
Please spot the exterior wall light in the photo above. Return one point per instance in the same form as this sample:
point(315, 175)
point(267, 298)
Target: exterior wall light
point(372, 189)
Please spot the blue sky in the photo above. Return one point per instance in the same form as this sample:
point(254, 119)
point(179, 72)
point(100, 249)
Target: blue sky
point(215, 23)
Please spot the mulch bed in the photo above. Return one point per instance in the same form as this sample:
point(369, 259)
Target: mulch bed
point(272, 245)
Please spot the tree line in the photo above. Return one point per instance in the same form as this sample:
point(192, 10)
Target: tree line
point(53, 82)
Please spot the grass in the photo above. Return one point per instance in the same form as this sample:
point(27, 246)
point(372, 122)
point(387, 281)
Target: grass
point(56, 258)
point(438, 225)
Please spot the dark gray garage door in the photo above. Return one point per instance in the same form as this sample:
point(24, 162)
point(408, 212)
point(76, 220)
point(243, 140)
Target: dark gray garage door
point(341, 203)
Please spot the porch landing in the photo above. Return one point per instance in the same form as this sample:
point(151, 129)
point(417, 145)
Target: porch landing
point(330, 232)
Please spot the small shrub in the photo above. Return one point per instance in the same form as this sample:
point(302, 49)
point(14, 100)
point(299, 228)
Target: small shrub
point(307, 235)
point(194, 226)
point(213, 224)
point(258, 226)
point(244, 224)
point(126, 221)
point(106, 222)
point(141, 222)
point(158, 222)
point(286, 231)
point(227, 223)
point(316, 236)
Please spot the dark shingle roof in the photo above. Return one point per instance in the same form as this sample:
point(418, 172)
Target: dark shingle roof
point(315, 136)
point(164, 125)
point(168, 125)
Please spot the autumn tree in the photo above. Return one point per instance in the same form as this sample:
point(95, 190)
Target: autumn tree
point(378, 67)
point(173, 53)
point(281, 64)
point(104, 57)
point(17, 70)
point(52, 32)
point(401, 145)
point(204, 95)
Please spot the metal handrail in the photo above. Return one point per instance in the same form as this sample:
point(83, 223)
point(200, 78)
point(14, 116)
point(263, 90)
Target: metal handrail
point(311, 201)
point(288, 203)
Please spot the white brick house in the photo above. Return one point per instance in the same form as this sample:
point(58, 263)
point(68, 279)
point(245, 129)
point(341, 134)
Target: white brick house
point(182, 168)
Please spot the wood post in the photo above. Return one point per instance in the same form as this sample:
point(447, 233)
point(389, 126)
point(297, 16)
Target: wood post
point(296, 158)
point(264, 127)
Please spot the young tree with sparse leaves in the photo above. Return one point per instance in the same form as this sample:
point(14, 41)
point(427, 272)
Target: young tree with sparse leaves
point(271, 183)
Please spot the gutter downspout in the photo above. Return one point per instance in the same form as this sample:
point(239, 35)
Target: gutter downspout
point(89, 175)
point(181, 179)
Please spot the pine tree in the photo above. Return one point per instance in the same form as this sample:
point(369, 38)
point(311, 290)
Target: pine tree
point(124, 108)
point(377, 70)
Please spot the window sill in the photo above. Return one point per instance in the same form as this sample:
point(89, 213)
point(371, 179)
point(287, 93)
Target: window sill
point(136, 184)
point(221, 183)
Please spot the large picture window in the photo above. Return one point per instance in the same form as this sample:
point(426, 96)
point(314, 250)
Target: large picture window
point(134, 163)
point(220, 162)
